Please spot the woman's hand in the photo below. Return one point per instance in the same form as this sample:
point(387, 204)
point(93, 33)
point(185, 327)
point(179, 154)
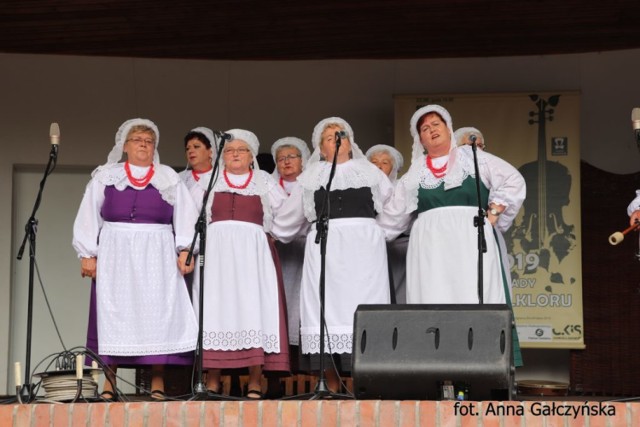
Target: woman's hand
point(635, 218)
point(88, 267)
point(494, 212)
point(182, 263)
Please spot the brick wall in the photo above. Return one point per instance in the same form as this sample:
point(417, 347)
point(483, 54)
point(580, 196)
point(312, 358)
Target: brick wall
point(323, 413)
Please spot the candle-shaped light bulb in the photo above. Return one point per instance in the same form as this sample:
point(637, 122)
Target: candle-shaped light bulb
point(79, 362)
point(17, 373)
point(94, 371)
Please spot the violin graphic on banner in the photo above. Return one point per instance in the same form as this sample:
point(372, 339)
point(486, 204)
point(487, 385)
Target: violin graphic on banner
point(543, 237)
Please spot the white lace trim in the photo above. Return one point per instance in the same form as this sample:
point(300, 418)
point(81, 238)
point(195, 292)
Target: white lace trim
point(164, 179)
point(187, 178)
point(261, 184)
point(241, 340)
point(338, 343)
point(355, 173)
point(460, 166)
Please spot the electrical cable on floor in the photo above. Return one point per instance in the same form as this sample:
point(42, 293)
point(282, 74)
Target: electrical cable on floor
point(64, 387)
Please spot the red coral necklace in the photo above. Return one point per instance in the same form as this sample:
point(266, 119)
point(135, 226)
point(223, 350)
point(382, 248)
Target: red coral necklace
point(437, 172)
point(139, 182)
point(196, 174)
point(239, 187)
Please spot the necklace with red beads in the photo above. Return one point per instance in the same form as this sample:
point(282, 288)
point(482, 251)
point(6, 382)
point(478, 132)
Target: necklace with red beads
point(283, 187)
point(437, 172)
point(196, 174)
point(139, 182)
point(239, 187)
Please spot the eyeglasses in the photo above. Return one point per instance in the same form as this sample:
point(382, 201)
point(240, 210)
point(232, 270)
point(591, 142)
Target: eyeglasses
point(288, 157)
point(141, 140)
point(236, 150)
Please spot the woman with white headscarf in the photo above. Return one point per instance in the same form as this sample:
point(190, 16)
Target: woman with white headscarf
point(244, 307)
point(463, 137)
point(290, 155)
point(633, 210)
point(387, 159)
point(201, 151)
point(133, 228)
point(440, 188)
point(356, 259)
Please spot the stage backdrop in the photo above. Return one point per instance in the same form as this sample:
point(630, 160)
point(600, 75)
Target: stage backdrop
point(538, 133)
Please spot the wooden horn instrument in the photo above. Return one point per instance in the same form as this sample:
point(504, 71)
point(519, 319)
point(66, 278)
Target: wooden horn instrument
point(618, 236)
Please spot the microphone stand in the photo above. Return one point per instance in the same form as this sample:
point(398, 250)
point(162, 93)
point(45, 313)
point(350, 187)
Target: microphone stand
point(322, 227)
point(200, 389)
point(31, 228)
point(478, 221)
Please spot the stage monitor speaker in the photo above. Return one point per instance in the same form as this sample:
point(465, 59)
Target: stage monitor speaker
point(414, 351)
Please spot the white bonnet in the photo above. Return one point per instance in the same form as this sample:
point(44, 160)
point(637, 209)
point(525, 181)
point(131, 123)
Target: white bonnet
point(322, 125)
point(209, 134)
point(418, 150)
point(247, 136)
point(121, 137)
point(316, 138)
point(398, 160)
point(460, 134)
point(292, 141)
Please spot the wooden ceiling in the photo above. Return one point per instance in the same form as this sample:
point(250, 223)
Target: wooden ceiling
point(309, 29)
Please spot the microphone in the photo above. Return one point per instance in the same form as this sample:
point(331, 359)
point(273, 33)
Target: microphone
point(339, 135)
point(635, 121)
point(54, 134)
point(473, 138)
point(223, 135)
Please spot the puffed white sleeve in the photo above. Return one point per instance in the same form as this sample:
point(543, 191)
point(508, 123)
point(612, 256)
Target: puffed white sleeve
point(185, 216)
point(289, 221)
point(393, 219)
point(507, 187)
point(276, 196)
point(635, 204)
point(88, 222)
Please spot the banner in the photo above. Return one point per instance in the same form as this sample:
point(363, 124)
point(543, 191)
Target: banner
point(539, 134)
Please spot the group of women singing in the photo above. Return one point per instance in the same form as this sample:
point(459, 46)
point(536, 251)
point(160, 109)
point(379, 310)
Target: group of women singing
point(262, 264)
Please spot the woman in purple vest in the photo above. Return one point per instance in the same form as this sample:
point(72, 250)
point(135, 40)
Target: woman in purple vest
point(132, 230)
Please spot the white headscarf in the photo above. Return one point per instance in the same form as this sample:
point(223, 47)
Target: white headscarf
point(355, 173)
point(208, 133)
point(411, 180)
point(121, 137)
point(461, 133)
point(289, 141)
point(210, 136)
point(260, 184)
point(418, 150)
point(250, 139)
point(316, 138)
point(398, 160)
point(164, 178)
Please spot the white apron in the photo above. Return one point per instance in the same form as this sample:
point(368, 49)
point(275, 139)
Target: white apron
point(142, 300)
point(442, 259)
point(356, 273)
point(249, 316)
